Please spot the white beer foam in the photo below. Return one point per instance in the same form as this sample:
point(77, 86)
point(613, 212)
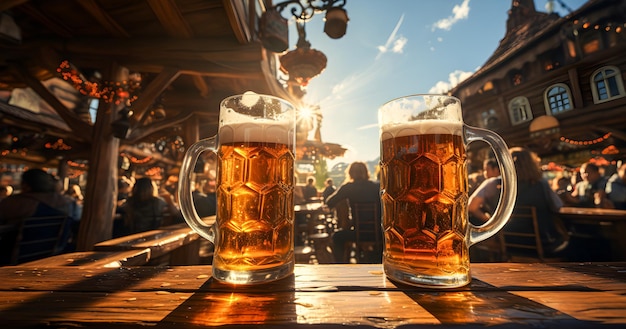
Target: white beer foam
point(420, 127)
point(261, 130)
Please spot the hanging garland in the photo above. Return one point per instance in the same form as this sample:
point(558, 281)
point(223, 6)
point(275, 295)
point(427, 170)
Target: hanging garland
point(136, 160)
point(588, 142)
point(111, 92)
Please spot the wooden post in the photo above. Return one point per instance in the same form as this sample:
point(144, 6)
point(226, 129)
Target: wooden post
point(191, 131)
point(99, 209)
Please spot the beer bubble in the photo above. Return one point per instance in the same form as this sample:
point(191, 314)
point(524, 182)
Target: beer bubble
point(249, 98)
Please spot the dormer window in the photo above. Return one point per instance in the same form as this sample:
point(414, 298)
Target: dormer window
point(519, 110)
point(607, 84)
point(557, 99)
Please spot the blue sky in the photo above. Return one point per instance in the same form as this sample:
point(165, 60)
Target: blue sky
point(394, 48)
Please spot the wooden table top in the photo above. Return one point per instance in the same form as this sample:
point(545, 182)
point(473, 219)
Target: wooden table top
point(598, 213)
point(504, 295)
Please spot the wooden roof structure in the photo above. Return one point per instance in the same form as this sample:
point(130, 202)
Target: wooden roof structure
point(186, 55)
point(189, 53)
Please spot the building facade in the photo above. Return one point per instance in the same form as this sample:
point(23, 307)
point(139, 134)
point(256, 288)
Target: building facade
point(554, 84)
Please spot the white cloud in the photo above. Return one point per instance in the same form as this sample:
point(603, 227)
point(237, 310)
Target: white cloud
point(459, 12)
point(454, 79)
point(394, 43)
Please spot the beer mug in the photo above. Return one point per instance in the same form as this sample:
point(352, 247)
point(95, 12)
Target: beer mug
point(253, 233)
point(424, 190)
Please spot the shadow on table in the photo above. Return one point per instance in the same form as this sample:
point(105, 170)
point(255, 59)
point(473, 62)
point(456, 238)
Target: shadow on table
point(216, 304)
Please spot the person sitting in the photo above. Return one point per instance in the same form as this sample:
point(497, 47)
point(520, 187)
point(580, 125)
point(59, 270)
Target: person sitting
point(38, 197)
point(310, 191)
point(76, 200)
point(298, 192)
point(534, 191)
point(204, 198)
point(616, 188)
point(590, 192)
point(328, 190)
point(484, 200)
point(124, 190)
point(144, 209)
point(358, 189)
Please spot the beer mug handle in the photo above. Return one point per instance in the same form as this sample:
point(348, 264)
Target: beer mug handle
point(187, 207)
point(508, 192)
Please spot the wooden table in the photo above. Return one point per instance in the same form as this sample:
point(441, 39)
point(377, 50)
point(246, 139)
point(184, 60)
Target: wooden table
point(607, 223)
point(598, 214)
point(501, 295)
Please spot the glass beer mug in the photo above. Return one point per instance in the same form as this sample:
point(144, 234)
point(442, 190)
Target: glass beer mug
point(424, 190)
point(253, 232)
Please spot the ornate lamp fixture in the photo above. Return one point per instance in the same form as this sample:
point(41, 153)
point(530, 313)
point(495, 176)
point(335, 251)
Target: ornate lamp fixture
point(303, 63)
point(273, 27)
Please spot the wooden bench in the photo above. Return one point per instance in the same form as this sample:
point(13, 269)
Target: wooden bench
point(176, 244)
point(95, 259)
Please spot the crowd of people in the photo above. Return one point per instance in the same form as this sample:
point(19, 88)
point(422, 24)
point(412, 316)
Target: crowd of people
point(141, 205)
point(144, 204)
point(588, 187)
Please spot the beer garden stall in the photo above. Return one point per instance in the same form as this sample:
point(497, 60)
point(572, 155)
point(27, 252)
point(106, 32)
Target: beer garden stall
point(158, 70)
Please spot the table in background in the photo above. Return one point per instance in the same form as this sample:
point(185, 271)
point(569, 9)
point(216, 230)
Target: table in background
point(502, 295)
point(607, 223)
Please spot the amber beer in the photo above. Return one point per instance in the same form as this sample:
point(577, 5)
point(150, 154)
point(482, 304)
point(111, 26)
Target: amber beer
point(424, 191)
point(255, 193)
point(253, 232)
point(255, 219)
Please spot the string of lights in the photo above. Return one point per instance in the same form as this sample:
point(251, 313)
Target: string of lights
point(116, 92)
point(587, 142)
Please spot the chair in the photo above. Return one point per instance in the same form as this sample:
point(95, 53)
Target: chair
point(522, 239)
point(490, 250)
point(40, 237)
point(368, 229)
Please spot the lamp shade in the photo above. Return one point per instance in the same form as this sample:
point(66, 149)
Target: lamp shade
point(336, 22)
point(302, 64)
point(274, 32)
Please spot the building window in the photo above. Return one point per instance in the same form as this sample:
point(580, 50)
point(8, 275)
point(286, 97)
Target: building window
point(490, 119)
point(519, 110)
point(558, 99)
point(552, 59)
point(517, 79)
point(607, 84)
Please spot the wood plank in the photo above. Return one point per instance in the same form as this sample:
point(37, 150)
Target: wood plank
point(79, 127)
point(103, 18)
point(328, 296)
point(150, 92)
point(171, 18)
point(160, 242)
point(94, 259)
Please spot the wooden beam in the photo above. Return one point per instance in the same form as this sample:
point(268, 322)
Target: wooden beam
point(140, 133)
point(151, 92)
point(8, 4)
point(104, 19)
point(82, 129)
point(96, 224)
point(236, 12)
point(201, 85)
point(208, 49)
point(171, 18)
point(44, 19)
